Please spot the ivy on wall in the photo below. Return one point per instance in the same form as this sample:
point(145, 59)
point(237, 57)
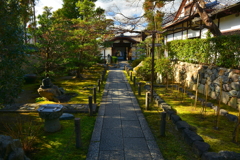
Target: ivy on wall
point(222, 51)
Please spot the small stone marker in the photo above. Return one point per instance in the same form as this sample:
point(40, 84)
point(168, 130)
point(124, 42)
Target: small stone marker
point(147, 100)
point(78, 132)
point(139, 88)
point(163, 124)
point(134, 81)
point(94, 95)
point(66, 116)
point(99, 85)
point(90, 105)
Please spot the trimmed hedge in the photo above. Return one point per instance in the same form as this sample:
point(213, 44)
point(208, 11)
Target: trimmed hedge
point(222, 51)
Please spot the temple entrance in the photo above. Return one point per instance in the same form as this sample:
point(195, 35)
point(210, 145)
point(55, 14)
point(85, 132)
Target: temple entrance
point(120, 52)
point(122, 47)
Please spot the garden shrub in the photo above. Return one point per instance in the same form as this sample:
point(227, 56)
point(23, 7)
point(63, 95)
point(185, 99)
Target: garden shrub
point(12, 56)
point(114, 59)
point(144, 71)
point(222, 51)
point(136, 62)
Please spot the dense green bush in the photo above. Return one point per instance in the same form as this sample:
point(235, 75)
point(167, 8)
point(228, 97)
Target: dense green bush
point(12, 54)
point(114, 59)
point(221, 51)
point(144, 71)
point(136, 62)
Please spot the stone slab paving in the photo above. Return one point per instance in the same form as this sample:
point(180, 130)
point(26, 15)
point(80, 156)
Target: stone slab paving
point(121, 131)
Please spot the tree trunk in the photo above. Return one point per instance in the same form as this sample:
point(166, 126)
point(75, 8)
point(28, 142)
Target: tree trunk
point(213, 28)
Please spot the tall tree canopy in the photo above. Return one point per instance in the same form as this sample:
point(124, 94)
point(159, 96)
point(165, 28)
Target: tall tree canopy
point(11, 50)
point(70, 10)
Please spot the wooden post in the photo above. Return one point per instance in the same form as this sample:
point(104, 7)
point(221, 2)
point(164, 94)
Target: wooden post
point(131, 76)
point(195, 103)
point(94, 95)
point(163, 124)
point(99, 85)
point(236, 129)
point(90, 105)
point(147, 101)
point(102, 78)
point(77, 132)
point(134, 81)
point(219, 107)
point(139, 88)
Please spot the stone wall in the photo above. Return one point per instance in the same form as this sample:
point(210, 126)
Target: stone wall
point(210, 78)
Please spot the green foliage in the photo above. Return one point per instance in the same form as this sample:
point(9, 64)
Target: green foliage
point(114, 59)
point(222, 51)
point(164, 66)
point(136, 62)
point(40, 99)
point(12, 54)
point(144, 71)
point(23, 127)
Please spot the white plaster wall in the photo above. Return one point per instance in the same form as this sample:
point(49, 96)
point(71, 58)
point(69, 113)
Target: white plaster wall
point(107, 51)
point(184, 34)
point(169, 37)
point(229, 23)
point(204, 33)
point(192, 33)
point(178, 36)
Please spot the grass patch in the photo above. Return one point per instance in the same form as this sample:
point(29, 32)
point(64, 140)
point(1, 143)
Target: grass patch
point(172, 145)
point(47, 146)
point(61, 144)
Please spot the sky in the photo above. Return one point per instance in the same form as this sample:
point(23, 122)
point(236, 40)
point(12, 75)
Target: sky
point(129, 8)
point(108, 5)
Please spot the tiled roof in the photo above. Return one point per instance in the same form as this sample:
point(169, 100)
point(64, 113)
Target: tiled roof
point(212, 5)
point(231, 32)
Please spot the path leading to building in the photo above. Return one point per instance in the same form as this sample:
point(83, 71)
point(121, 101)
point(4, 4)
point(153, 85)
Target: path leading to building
point(121, 131)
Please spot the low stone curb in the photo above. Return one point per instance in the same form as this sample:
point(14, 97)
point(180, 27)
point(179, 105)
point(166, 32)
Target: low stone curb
point(32, 107)
point(197, 143)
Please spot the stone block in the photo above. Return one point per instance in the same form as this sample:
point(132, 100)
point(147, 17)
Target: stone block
point(233, 93)
point(165, 106)
point(181, 125)
point(175, 118)
point(211, 156)
point(11, 149)
point(203, 81)
point(225, 97)
point(66, 116)
point(233, 102)
point(201, 88)
point(226, 87)
point(170, 112)
point(200, 147)
point(228, 155)
point(190, 136)
point(209, 104)
point(236, 71)
point(225, 79)
point(213, 95)
point(215, 108)
point(223, 112)
point(222, 71)
point(235, 86)
point(234, 77)
point(232, 117)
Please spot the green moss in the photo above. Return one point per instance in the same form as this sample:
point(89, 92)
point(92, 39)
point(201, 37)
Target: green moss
point(172, 145)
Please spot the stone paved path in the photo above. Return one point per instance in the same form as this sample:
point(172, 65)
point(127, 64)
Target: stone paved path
point(121, 131)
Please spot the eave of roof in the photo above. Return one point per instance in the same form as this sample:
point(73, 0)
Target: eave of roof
point(214, 12)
